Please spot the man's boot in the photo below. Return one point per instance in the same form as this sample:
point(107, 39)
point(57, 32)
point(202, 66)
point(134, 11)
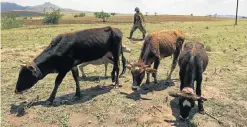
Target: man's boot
point(131, 33)
point(143, 36)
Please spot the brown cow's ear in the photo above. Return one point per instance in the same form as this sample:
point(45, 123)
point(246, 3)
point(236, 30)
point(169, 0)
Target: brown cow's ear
point(129, 66)
point(150, 70)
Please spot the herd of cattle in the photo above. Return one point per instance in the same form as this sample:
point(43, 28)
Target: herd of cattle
point(104, 45)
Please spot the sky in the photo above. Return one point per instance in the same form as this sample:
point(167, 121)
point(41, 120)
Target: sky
point(177, 7)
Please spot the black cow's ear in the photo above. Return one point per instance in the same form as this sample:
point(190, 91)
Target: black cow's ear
point(23, 65)
point(31, 68)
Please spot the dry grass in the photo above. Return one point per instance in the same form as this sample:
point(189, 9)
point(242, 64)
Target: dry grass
point(89, 19)
point(224, 83)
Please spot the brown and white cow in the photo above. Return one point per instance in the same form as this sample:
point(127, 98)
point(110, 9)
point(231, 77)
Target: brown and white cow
point(157, 45)
point(104, 60)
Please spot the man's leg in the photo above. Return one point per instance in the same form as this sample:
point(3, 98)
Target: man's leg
point(132, 31)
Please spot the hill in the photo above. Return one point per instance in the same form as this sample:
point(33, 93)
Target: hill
point(47, 6)
point(11, 6)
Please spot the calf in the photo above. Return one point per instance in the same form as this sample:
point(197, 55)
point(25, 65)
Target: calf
point(104, 60)
point(193, 61)
point(68, 50)
point(157, 45)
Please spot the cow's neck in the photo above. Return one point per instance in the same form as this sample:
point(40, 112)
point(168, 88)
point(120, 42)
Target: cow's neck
point(44, 65)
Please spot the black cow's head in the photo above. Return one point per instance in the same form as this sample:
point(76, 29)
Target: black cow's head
point(186, 102)
point(138, 70)
point(27, 78)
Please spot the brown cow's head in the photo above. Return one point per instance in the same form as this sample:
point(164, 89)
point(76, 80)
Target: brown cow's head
point(186, 102)
point(138, 70)
point(27, 78)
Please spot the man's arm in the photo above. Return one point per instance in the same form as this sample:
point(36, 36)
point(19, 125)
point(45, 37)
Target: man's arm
point(134, 18)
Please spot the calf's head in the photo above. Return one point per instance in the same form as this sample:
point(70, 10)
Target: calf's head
point(186, 102)
point(138, 70)
point(27, 78)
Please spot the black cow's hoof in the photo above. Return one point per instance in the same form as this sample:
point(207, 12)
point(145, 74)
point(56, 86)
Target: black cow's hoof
point(201, 111)
point(48, 102)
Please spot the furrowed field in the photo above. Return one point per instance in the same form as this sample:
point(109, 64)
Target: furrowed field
point(224, 81)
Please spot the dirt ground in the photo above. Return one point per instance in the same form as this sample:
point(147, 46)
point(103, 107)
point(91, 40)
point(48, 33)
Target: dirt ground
point(224, 82)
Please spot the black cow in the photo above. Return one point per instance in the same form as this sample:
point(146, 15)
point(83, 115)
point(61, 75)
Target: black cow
point(193, 61)
point(68, 50)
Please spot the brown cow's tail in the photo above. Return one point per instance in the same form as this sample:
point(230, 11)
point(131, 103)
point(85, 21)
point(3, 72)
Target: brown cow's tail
point(123, 61)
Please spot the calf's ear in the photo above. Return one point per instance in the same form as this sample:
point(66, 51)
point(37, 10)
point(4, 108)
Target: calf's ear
point(150, 70)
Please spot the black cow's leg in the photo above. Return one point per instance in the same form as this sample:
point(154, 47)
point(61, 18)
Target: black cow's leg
point(156, 65)
point(181, 77)
point(75, 74)
point(115, 78)
point(198, 93)
point(58, 81)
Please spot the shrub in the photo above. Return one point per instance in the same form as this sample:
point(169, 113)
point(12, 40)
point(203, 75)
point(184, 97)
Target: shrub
point(82, 15)
point(104, 16)
point(113, 13)
point(24, 17)
point(208, 48)
point(75, 16)
point(11, 21)
point(52, 17)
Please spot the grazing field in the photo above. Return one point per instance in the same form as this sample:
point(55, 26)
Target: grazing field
point(224, 81)
point(90, 19)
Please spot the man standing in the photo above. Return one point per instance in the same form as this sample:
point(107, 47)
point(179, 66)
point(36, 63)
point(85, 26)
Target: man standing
point(138, 20)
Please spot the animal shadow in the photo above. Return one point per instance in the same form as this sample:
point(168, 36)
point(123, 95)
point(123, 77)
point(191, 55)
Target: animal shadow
point(86, 95)
point(94, 78)
point(146, 88)
point(175, 112)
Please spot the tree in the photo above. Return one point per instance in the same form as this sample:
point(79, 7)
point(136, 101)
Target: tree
point(104, 16)
point(191, 14)
point(155, 13)
point(113, 13)
point(82, 15)
point(11, 21)
point(146, 13)
point(52, 17)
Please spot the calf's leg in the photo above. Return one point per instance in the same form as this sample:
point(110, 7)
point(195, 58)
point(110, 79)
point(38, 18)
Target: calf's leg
point(106, 64)
point(82, 71)
point(174, 63)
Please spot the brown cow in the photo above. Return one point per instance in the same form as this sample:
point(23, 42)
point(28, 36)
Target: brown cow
point(157, 45)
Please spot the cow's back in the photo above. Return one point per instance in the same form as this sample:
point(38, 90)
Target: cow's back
point(165, 41)
point(198, 50)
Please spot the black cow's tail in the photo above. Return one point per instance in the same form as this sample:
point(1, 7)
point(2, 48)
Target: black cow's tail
point(123, 61)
